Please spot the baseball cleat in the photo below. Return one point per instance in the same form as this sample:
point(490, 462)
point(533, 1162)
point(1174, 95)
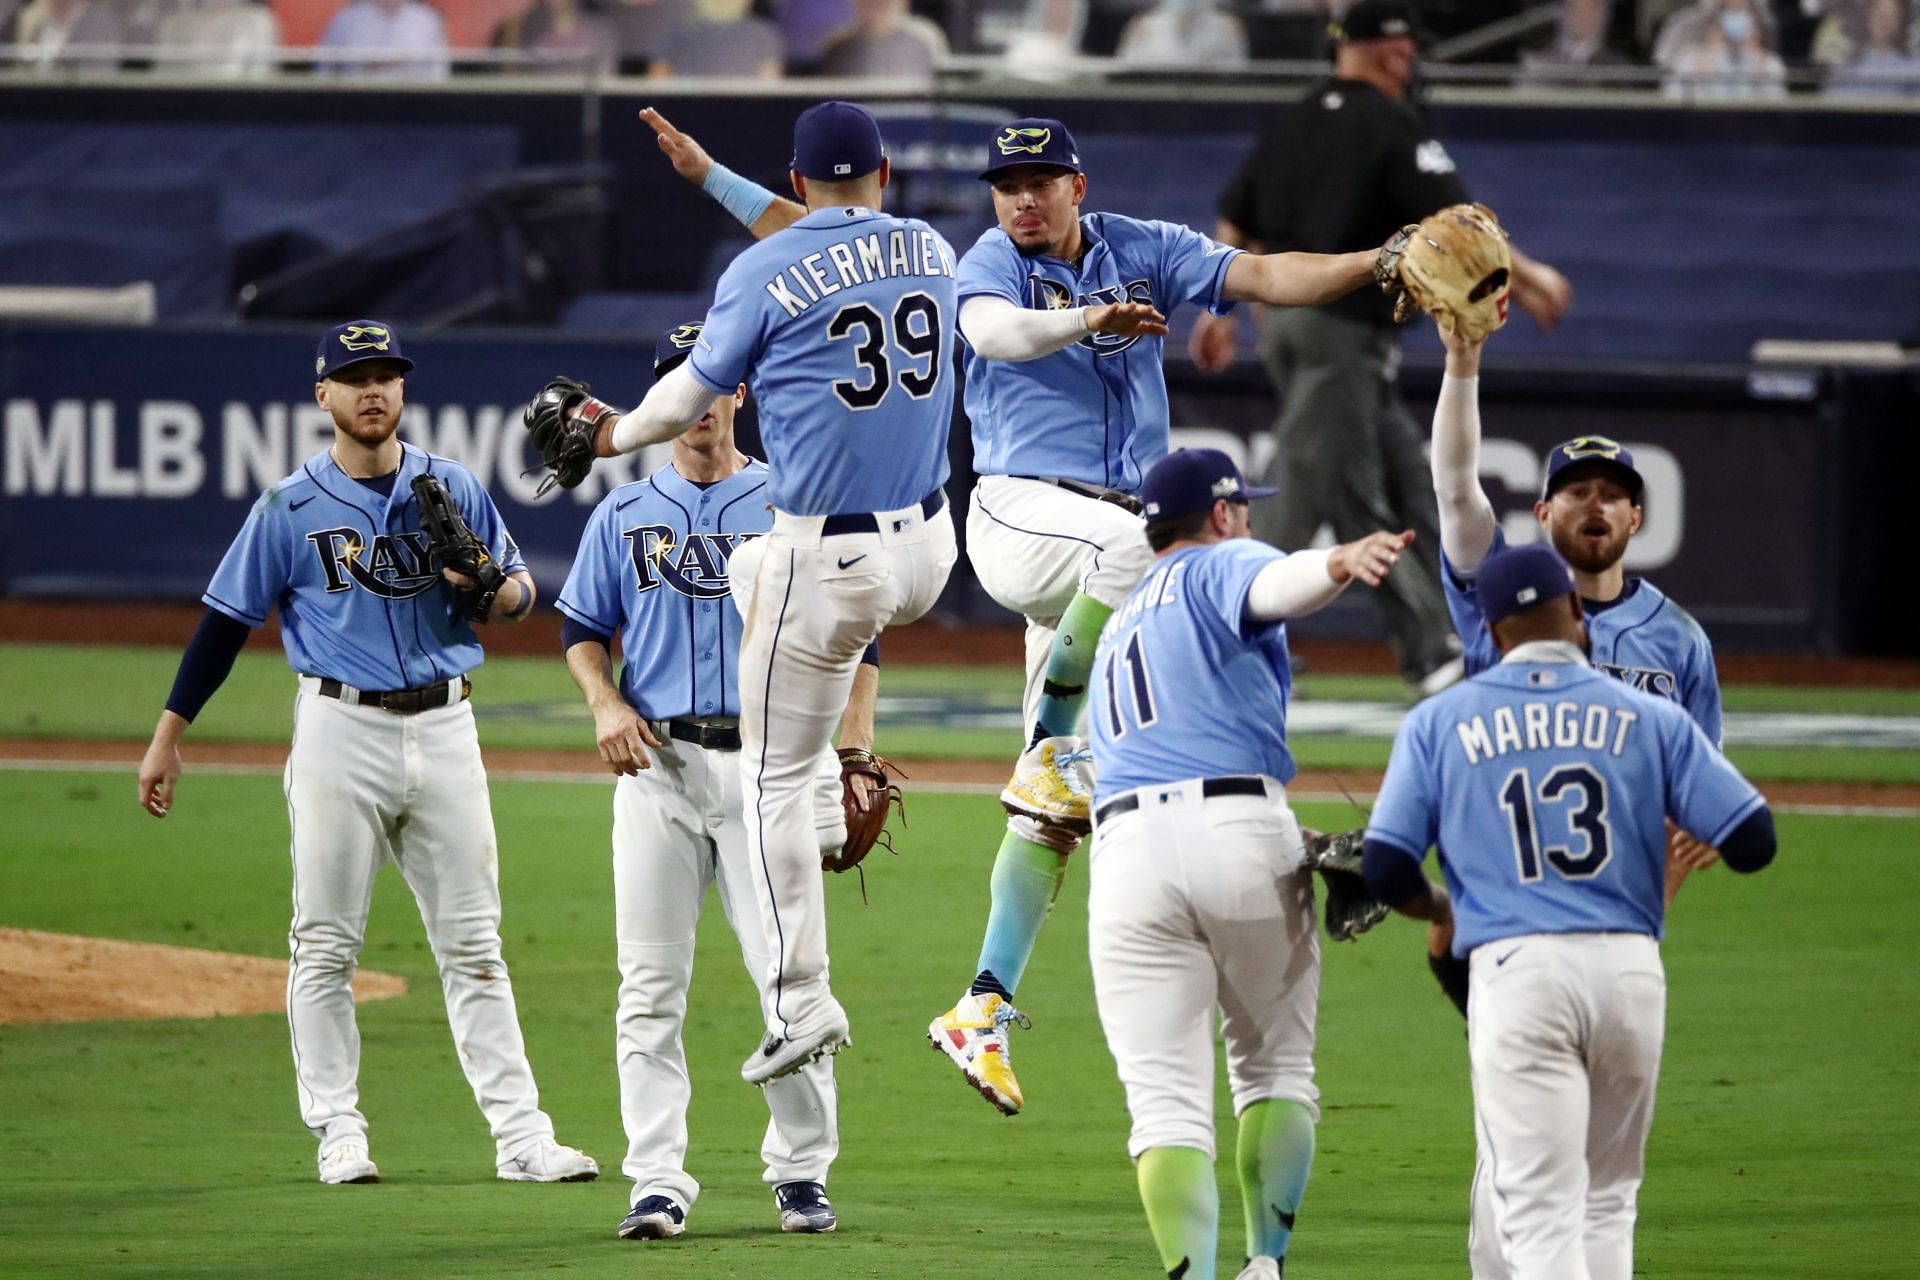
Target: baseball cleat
point(804, 1208)
point(783, 1055)
point(1053, 783)
point(347, 1162)
point(974, 1035)
point(654, 1218)
point(545, 1160)
point(1261, 1268)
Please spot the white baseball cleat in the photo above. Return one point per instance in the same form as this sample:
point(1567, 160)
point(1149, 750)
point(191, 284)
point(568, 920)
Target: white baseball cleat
point(545, 1160)
point(347, 1162)
point(1053, 783)
point(654, 1218)
point(973, 1034)
point(1261, 1268)
point(783, 1055)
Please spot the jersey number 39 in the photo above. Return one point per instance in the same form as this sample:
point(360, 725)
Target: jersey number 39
point(1584, 793)
point(915, 332)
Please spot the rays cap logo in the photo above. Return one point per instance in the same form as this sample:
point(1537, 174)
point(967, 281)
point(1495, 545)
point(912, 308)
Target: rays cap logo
point(1521, 578)
point(1189, 480)
point(675, 345)
point(357, 342)
point(1584, 456)
point(1032, 141)
point(837, 142)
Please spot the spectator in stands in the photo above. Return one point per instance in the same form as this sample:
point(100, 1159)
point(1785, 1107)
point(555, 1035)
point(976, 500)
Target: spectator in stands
point(1580, 41)
point(1720, 49)
point(1184, 33)
point(389, 27)
point(641, 27)
point(1868, 46)
point(567, 35)
point(52, 32)
point(722, 39)
point(229, 39)
point(884, 40)
point(807, 25)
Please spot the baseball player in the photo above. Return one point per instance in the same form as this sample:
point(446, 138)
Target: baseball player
point(385, 763)
point(652, 568)
point(1064, 322)
point(1198, 898)
point(1544, 785)
point(843, 324)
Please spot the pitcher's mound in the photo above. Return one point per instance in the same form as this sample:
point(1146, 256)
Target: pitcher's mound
point(62, 977)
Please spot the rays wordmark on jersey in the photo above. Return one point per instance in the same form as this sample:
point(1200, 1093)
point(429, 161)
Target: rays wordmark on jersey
point(693, 566)
point(1051, 295)
point(1646, 679)
point(396, 566)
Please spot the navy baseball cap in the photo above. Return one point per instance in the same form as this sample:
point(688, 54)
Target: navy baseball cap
point(1379, 20)
point(675, 345)
point(356, 343)
point(1189, 480)
point(1521, 577)
point(1032, 141)
point(1586, 455)
point(836, 142)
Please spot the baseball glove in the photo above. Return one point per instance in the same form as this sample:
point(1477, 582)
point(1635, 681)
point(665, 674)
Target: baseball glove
point(1458, 268)
point(1351, 907)
point(563, 421)
point(452, 545)
point(866, 818)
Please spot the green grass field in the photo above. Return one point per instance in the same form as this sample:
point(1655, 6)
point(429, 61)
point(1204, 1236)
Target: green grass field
point(173, 1149)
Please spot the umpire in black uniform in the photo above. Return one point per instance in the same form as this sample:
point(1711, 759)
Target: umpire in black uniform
point(1343, 167)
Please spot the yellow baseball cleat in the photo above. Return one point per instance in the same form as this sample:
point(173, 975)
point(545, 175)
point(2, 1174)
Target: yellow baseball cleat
point(1053, 782)
point(974, 1035)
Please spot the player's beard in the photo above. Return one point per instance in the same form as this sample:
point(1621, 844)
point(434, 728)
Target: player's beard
point(371, 432)
point(1586, 554)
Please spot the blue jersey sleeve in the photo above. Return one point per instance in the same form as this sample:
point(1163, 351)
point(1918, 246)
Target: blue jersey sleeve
point(257, 568)
point(1700, 686)
point(1463, 602)
point(991, 267)
point(1705, 794)
point(1225, 577)
point(736, 326)
point(1406, 815)
point(1192, 267)
point(592, 595)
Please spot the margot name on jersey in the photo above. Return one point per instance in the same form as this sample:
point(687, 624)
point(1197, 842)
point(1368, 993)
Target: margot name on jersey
point(901, 252)
point(1536, 726)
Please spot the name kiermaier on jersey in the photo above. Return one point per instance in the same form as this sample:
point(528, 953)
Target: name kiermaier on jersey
point(848, 263)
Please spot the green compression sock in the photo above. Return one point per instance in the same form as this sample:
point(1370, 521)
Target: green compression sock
point(1026, 880)
point(1275, 1156)
point(1183, 1209)
point(1064, 693)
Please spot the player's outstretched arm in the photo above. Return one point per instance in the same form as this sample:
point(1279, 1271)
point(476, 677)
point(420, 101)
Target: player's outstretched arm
point(998, 330)
point(619, 732)
point(674, 403)
point(1466, 516)
point(758, 209)
point(1309, 580)
point(1297, 279)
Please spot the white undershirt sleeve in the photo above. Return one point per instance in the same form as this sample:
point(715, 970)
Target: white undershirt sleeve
point(1466, 517)
point(1292, 587)
point(998, 330)
point(675, 403)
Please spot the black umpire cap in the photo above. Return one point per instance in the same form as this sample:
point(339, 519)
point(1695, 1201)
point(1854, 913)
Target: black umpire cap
point(1379, 20)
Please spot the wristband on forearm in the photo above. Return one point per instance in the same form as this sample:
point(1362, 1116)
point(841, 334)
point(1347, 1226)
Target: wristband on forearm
point(744, 199)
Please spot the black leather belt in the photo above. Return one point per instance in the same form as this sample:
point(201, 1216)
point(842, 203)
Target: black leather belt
point(867, 522)
point(1209, 789)
point(402, 702)
point(714, 737)
point(1125, 501)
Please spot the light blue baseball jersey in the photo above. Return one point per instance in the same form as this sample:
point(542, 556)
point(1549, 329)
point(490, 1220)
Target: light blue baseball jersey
point(843, 326)
point(1545, 785)
point(1096, 411)
point(1642, 638)
point(349, 572)
point(1182, 687)
point(652, 568)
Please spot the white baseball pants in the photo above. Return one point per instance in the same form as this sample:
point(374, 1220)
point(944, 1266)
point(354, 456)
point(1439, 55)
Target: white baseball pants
point(1565, 1033)
point(1034, 546)
point(677, 829)
point(364, 785)
point(1196, 904)
point(812, 603)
